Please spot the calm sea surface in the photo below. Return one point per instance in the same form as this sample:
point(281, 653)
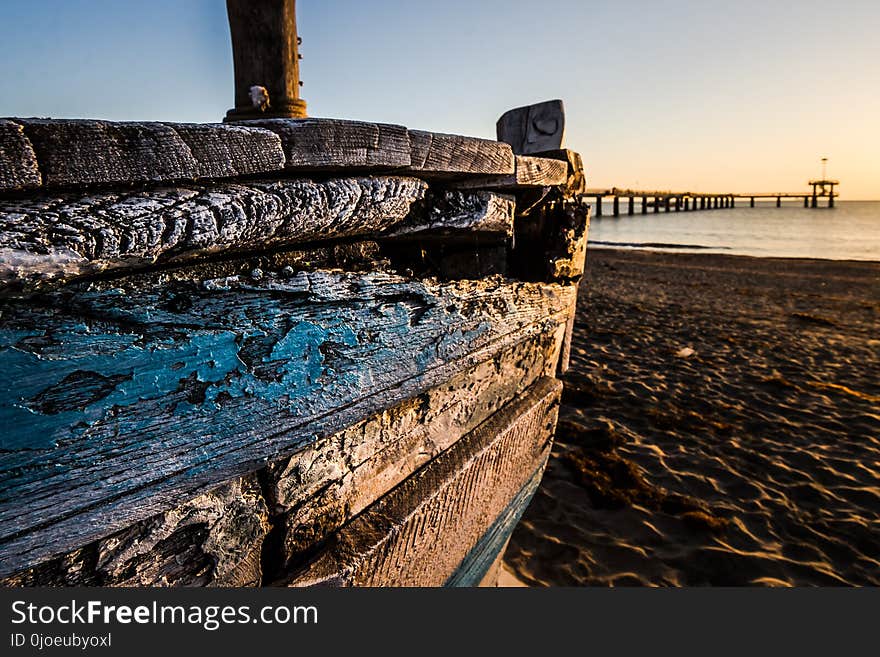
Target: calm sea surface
point(850, 231)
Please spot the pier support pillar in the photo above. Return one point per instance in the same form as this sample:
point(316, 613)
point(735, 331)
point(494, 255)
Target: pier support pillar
point(598, 206)
point(733, 201)
point(631, 208)
point(752, 202)
point(644, 205)
point(677, 204)
point(656, 204)
point(616, 206)
point(702, 203)
point(831, 199)
point(778, 201)
point(815, 203)
point(668, 204)
point(687, 204)
point(806, 201)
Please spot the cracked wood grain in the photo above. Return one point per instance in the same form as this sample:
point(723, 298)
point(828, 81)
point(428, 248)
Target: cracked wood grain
point(530, 172)
point(214, 539)
point(18, 162)
point(438, 155)
point(320, 488)
point(459, 214)
point(212, 377)
point(222, 150)
point(84, 152)
point(334, 144)
point(57, 237)
point(421, 532)
point(217, 538)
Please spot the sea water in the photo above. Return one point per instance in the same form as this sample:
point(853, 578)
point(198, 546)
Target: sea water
point(849, 231)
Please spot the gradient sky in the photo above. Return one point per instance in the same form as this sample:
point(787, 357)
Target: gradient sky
point(689, 95)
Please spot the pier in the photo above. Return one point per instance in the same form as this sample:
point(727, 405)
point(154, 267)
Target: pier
point(669, 201)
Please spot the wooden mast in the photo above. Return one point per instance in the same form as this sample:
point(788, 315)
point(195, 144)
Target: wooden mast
point(265, 53)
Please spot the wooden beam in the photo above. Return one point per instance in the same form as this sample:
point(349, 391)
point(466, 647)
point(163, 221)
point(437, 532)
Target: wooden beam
point(217, 538)
point(450, 214)
point(265, 55)
point(327, 484)
point(88, 153)
point(336, 144)
point(421, 532)
point(534, 128)
point(227, 151)
point(134, 395)
point(54, 238)
point(214, 539)
point(530, 172)
point(439, 155)
point(81, 152)
point(18, 162)
point(576, 184)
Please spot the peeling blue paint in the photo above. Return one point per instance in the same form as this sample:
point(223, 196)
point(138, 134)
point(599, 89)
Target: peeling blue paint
point(186, 384)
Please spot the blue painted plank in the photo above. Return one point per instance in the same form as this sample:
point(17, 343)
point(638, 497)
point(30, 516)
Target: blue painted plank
point(126, 398)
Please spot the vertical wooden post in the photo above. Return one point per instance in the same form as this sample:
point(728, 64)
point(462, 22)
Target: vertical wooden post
point(616, 205)
point(656, 204)
point(831, 197)
point(815, 203)
point(778, 201)
point(733, 201)
point(598, 205)
point(806, 201)
point(631, 208)
point(752, 202)
point(668, 203)
point(265, 54)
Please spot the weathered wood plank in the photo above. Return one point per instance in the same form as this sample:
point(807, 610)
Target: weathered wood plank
point(534, 128)
point(421, 532)
point(539, 171)
point(226, 151)
point(18, 162)
point(482, 565)
point(576, 182)
point(66, 235)
point(326, 484)
point(128, 397)
point(530, 172)
point(438, 155)
point(334, 144)
point(82, 152)
point(459, 214)
point(215, 539)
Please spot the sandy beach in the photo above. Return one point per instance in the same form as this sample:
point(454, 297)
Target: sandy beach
point(720, 426)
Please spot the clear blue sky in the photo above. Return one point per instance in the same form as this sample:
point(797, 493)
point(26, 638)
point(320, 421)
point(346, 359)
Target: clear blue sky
point(701, 95)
